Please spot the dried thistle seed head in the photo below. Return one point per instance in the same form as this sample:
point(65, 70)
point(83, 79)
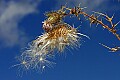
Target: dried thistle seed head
point(57, 37)
point(61, 36)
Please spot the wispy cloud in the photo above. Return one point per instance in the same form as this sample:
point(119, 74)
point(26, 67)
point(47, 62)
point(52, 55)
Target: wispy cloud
point(10, 14)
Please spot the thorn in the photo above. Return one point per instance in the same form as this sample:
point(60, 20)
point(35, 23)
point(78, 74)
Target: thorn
point(107, 17)
point(113, 16)
point(97, 24)
point(79, 18)
point(78, 27)
point(90, 24)
point(105, 46)
point(83, 8)
point(111, 49)
point(79, 4)
point(114, 25)
point(93, 19)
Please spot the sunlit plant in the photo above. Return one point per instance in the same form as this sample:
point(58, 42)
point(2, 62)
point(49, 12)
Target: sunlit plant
point(59, 35)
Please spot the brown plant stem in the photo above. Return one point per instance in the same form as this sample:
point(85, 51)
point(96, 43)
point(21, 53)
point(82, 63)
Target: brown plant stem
point(104, 26)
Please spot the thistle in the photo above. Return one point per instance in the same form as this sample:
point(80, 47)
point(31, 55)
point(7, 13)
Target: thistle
point(57, 36)
point(40, 51)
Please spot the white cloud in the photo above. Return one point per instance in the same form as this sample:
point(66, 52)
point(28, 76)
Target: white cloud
point(10, 14)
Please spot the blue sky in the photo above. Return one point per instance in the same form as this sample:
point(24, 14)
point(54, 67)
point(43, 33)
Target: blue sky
point(21, 22)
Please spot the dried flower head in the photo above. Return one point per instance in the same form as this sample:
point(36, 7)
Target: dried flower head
point(57, 37)
point(39, 54)
point(61, 36)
